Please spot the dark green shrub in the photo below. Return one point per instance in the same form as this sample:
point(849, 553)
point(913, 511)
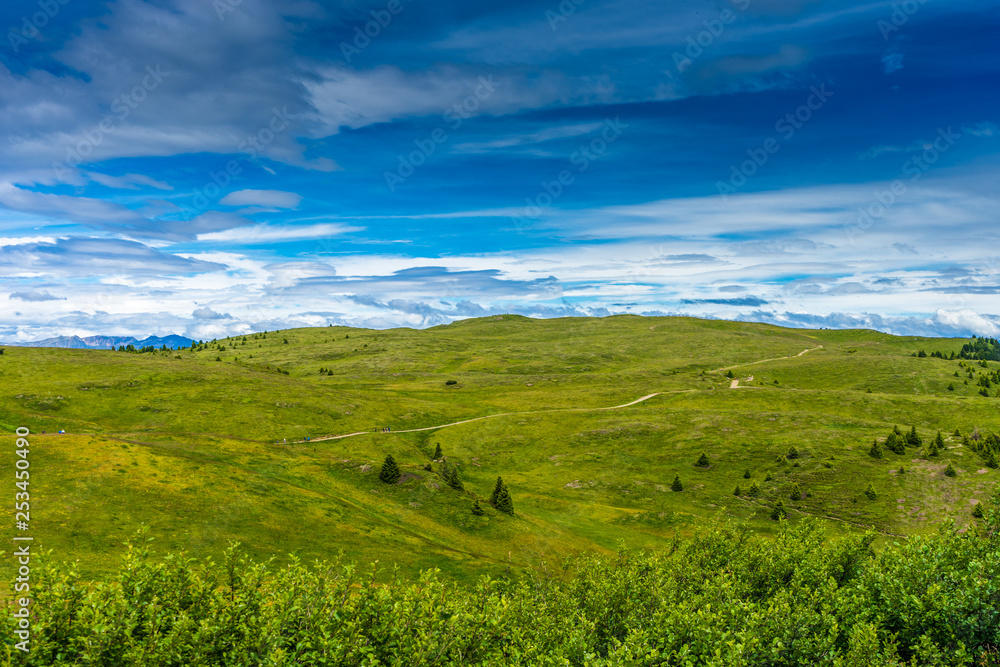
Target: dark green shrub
point(876, 451)
point(390, 471)
point(703, 461)
point(676, 485)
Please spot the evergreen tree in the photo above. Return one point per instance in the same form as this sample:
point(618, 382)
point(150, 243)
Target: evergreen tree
point(796, 493)
point(902, 470)
point(390, 471)
point(876, 451)
point(746, 475)
point(754, 490)
point(793, 453)
point(870, 492)
point(703, 461)
point(677, 486)
point(991, 459)
point(504, 502)
point(779, 512)
point(437, 452)
point(977, 511)
point(895, 443)
point(957, 433)
point(950, 470)
point(730, 375)
point(737, 491)
point(934, 451)
point(477, 509)
point(768, 477)
point(939, 441)
point(497, 488)
point(452, 478)
point(912, 439)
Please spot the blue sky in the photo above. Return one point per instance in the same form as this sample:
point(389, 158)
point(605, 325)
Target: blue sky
point(212, 168)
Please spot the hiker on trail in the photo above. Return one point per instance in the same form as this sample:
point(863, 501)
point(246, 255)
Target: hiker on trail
point(284, 441)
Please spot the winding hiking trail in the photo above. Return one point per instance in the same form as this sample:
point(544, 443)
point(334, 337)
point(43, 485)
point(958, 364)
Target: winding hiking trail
point(503, 414)
point(762, 361)
point(733, 385)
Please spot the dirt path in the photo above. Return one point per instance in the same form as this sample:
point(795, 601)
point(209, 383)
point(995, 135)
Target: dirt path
point(764, 361)
point(735, 384)
point(502, 414)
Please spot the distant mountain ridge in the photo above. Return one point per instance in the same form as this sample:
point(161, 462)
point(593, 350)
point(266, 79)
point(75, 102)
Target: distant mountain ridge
point(107, 342)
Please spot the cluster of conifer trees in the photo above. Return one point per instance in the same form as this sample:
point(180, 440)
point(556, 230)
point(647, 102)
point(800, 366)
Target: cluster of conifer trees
point(500, 499)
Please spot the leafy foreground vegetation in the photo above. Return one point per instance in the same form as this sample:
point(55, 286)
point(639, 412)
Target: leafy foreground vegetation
point(724, 597)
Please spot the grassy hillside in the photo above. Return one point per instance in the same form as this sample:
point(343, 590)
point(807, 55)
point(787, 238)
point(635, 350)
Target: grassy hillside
point(186, 441)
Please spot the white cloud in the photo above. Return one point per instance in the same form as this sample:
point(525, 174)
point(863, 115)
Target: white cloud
point(264, 198)
point(270, 233)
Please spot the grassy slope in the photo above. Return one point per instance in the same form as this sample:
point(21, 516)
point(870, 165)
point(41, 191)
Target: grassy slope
point(187, 445)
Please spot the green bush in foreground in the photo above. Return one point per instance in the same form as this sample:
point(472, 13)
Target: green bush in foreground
point(723, 597)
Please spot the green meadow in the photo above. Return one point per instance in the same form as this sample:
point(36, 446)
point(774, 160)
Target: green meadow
point(208, 446)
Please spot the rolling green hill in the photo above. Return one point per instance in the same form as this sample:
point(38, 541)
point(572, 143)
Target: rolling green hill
point(208, 446)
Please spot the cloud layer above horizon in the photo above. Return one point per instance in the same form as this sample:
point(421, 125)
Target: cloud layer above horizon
point(214, 168)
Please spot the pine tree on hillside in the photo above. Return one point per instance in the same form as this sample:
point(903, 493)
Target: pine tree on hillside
point(895, 429)
point(895, 443)
point(779, 512)
point(730, 375)
point(746, 475)
point(950, 470)
point(876, 451)
point(437, 452)
point(754, 490)
point(703, 461)
point(390, 471)
point(933, 450)
point(677, 486)
point(477, 509)
point(793, 453)
point(452, 478)
point(796, 492)
point(870, 492)
point(737, 491)
point(991, 459)
point(912, 439)
point(504, 502)
point(939, 441)
point(496, 491)
point(957, 433)
point(977, 511)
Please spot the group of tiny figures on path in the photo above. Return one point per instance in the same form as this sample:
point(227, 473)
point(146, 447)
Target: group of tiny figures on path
point(385, 429)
